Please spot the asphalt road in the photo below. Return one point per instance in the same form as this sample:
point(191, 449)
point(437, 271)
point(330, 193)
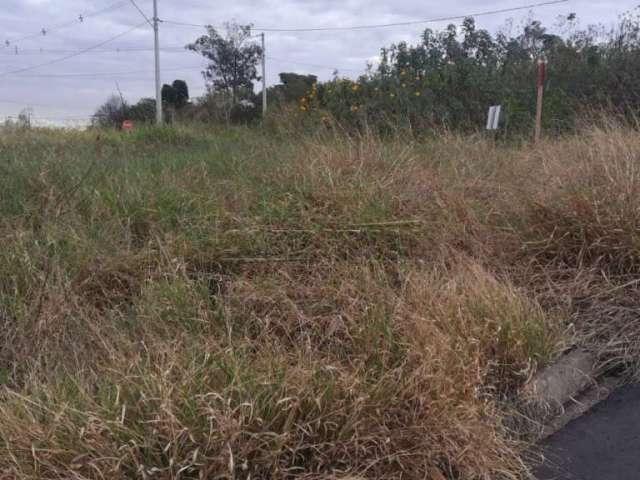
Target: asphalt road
point(604, 444)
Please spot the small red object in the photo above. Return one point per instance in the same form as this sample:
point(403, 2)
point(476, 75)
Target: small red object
point(127, 125)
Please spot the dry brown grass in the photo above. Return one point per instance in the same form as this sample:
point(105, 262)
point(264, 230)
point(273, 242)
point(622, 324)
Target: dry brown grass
point(341, 308)
point(331, 371)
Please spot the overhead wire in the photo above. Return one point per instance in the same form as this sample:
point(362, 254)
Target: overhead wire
point(106, 74)
point(43, 51)
point(313, 65)
point(40, 105)
point(169, 48)
point(72, 55)
point(179, 69)
point(10, 42)
point(144, 15)
point(96, 47)
point(383, 25)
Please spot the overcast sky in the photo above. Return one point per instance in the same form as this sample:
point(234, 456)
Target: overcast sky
point(54, 96)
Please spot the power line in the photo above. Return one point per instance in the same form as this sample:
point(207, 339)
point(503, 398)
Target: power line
point(133, 2)
point(313, 65)
point(185, 24)
point(385, 25)
point(80, 19)
point(56, 51)
point(42, 51)
point(96, 48)
point(30, 104)
point(67, 57)
point(178, 69)
point(107, 74)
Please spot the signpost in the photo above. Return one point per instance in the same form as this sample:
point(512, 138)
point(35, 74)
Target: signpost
point(127, 126)
point(493, 117)
point(542, 72)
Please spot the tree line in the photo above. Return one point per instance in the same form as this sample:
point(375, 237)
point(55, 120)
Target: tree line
point(448, 79)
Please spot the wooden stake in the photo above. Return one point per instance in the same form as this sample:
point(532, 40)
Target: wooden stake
point(542, 70)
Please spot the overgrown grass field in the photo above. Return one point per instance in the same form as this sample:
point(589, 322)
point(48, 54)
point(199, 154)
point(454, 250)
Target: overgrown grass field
point(180, 303)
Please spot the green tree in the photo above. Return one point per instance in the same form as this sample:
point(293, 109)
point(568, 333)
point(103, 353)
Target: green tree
point(181, 93)
point(143, 111)
point(169, 95)
point(233, 60)
point(111, 113)
point(292, 88)
point(452, 76)
point(175, 95)
point(116, 110)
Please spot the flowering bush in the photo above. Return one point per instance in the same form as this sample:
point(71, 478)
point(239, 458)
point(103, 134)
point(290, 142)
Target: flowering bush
point(452, 77)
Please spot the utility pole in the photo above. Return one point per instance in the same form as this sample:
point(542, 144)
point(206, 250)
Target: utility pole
point(157, 52)
point(264, 78)
point(542, 70)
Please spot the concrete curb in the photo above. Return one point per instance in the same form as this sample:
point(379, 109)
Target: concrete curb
point(564, 391)
point(558, 383)
point(576, 407)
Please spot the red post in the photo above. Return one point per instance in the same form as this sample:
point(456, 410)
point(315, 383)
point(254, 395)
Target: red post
point(542, 71)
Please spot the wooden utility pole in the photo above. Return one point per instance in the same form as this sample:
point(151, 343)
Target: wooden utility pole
point(542, 70)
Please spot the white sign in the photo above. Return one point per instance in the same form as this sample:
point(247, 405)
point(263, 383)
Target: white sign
point(493, 118)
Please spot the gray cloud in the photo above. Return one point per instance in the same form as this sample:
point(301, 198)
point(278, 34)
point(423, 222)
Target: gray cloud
point(56, 97)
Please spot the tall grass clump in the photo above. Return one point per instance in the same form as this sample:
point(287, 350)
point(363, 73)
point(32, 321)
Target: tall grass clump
point(229, 304)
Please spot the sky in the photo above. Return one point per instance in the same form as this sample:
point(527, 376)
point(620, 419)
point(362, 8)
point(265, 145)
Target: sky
point(59, 90)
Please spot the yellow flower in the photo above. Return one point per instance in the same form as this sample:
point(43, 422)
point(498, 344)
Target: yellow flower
point(355, 108)
point(404, 85)
point(392, 95)
point(303, 108)
point(418, 94)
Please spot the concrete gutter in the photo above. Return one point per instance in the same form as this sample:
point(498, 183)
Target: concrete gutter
point(564, 391)
point(558, 383)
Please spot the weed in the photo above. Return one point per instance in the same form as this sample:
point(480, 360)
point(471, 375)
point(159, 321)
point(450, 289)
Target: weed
point(193, 304)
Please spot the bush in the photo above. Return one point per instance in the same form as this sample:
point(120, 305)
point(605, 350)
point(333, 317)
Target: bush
point(451, 78)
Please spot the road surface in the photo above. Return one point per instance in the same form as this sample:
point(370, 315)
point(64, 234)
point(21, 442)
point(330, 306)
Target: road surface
point(604, 444)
